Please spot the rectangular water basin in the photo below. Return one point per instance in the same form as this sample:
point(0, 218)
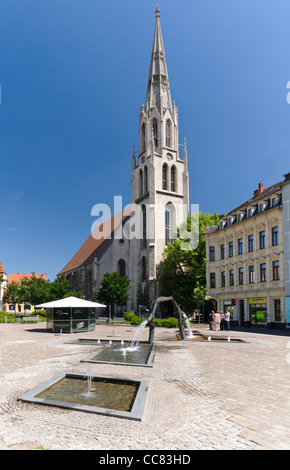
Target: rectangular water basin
point(121, 398)
point(116, 353)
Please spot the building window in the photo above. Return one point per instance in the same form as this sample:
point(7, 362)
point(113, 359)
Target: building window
point(223, 279)
point(262, 207)
point(232, 278)
point(145, 179)
point(173, 178)
point(276, 271)
point(277, 309)
point(212, 280)
point(169, 224)
point(143, 138)
point(263, 276)
point(121, 268)
point(212, 253)
point(222, 251)
point(251, 243)
point(275, 236)
point(240, 246)
point(155, 132)
point(164, 176)
point(143, 269)
point(231, 249)
point(140, 182)
point(262, 240)
point(144, 227)
point(168, 133)
point(251, 274)
point(241, 276)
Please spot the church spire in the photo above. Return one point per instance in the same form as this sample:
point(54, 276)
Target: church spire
point(158, 90)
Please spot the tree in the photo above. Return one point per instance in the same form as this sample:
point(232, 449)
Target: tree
point(60, 289)
point(114, 290)
point(11, 293)
point(183, 271)
point(33, 290)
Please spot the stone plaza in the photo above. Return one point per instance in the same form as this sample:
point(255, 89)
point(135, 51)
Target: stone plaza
point(209, 395)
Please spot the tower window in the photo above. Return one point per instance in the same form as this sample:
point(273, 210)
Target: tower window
point(173, 179)
point(141, 183)
point(145, 179)
point(143, 269)
point(168, 133)
point(121, 268)
point(143, 138)
point(155, 132)
point(169, 223)
point(144, 226)
point(164, 176)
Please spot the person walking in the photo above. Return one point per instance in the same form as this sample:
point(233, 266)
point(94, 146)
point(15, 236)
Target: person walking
point(227, 319)
point(211, 320)
point(217, 321)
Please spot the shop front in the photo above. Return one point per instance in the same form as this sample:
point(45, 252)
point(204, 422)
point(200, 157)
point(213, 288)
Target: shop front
point(258, 311)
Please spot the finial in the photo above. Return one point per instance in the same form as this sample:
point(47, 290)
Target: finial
point(157, 11)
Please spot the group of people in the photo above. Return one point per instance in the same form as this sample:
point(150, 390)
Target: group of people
point(219, 321)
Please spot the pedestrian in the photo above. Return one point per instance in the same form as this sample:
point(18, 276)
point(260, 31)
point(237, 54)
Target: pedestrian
point(222, 321)
point(211, 320)
point(217, 321)
point(227, 319)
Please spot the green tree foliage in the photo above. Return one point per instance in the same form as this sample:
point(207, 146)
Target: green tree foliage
point(114, 290)
point(11, 293)
point(183, 271)
point(35, 290)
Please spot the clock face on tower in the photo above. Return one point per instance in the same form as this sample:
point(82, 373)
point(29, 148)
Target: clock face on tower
point(169, 156)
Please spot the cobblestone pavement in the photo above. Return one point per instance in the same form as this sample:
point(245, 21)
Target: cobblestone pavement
point(202, 395)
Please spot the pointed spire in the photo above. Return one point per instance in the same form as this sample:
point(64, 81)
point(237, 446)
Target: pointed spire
point(158, 82)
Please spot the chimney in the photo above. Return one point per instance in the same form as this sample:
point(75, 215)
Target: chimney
point(261, 187)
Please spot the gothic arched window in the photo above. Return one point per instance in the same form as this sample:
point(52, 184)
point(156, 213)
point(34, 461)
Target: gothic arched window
point(164, 176)
point(143, 138)
point(173, 179)
point(144, 226)
point(121, 268)
point(169, 223)
point(155, 132)
point(168, 133)
point(145, 179)
point(140, 183)
point(143, 269)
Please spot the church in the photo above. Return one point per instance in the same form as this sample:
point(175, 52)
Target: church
point(159, 200)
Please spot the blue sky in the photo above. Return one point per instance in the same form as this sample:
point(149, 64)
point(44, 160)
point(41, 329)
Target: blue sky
point(73, 74)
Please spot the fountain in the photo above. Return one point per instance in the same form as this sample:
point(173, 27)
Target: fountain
point(188, 326)
point(137, 335)
point(121, 398)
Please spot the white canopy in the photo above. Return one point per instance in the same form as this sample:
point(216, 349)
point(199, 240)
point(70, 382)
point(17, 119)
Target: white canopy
point(70, 302)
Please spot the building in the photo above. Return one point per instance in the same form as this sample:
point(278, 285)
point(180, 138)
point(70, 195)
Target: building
point(3, 284)
point(248, 259)
point(19, 308)
point(159, 194)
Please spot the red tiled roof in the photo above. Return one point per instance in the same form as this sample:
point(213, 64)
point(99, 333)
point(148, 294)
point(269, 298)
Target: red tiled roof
point(2, 270)
point(17, 277)
point(95, 245)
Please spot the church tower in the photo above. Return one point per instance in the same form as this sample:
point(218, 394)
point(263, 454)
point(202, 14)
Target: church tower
point(160, 183)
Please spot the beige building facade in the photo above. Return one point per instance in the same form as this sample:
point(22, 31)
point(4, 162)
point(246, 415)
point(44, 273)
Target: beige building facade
point(247, 269)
